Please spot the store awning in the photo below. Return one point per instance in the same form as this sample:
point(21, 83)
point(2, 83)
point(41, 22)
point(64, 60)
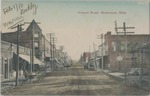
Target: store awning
point(27, 58)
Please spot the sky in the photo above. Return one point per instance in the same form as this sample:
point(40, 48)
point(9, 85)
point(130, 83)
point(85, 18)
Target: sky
point(76, 23)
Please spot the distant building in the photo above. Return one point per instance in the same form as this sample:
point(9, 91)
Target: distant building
point(86, 57)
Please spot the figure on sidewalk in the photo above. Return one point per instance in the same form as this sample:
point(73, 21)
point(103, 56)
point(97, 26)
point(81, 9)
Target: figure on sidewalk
point(26, 74)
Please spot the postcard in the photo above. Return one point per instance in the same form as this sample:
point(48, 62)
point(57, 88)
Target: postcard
point(75, 47)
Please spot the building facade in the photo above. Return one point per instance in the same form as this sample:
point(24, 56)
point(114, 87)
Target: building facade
point(116, 46)
point(31, 38)
point(8, 50)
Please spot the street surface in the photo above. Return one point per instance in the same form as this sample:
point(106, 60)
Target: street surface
point(77, 81)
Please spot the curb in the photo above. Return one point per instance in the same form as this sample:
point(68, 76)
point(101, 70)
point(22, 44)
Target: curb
point(114, 77)
point(121, 79)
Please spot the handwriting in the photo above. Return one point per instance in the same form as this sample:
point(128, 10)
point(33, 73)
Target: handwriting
point(21, 8)
point(30, 7)
point(16, 6)
point(13, 21)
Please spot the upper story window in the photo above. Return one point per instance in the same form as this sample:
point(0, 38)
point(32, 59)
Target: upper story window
point(114, 46)
point(36, 35)
point(122, 46)
point(36, 44)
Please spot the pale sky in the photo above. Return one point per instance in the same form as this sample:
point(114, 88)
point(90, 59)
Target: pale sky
point(73, 29)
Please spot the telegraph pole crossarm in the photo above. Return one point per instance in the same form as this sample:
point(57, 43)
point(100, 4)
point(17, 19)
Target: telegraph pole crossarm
point(125, 34)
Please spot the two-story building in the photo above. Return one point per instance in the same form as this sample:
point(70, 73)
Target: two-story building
point(8, 60)
point(116, 46)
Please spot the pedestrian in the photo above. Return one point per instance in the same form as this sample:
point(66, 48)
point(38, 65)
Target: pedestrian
point(26, 74)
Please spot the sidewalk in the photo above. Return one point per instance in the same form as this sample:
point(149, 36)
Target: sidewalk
point(10, 83)
point(116, 75)
point(131, 79)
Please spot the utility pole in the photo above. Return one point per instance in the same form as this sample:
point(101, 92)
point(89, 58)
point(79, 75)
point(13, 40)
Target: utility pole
point(19, 29)
point(102, 49)
point(118, 44)
point(32, 69)
point(51, 36)
point(53, 53)
point(94, 56)
point(54, 47)
point(32, 46)
point(44, 52)
point(125, 34)
point(44, 46)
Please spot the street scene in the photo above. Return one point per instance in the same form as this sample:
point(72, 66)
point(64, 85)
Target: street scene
point(75, 47)
point(77, 81)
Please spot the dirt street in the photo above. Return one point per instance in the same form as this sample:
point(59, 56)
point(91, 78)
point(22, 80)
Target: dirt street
point(77, 81)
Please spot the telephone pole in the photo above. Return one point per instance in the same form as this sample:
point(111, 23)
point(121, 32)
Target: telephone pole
point(95, 56)
point(54, 47)
point(32, 46)
point(52, 43)
point(118, 44)
point(125, 34)
point(102, 49)
point(19, 29)
point(44, 46)
point(102, 52)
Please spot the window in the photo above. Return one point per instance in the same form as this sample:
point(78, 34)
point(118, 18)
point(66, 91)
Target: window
point(36, 35)
point(36, 44)
point(114, 46)
point(122, 46)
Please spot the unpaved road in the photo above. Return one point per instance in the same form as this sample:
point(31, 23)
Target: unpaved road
point(77, 81)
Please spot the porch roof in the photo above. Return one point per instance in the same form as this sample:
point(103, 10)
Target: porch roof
point(27, 58)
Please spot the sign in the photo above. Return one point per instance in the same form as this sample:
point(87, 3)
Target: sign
point(119, 58)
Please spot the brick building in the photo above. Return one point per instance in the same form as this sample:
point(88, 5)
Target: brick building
point(115, 46)
point(86, 56)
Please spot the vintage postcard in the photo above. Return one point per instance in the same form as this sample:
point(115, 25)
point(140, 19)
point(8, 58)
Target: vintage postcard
point(75, 47)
